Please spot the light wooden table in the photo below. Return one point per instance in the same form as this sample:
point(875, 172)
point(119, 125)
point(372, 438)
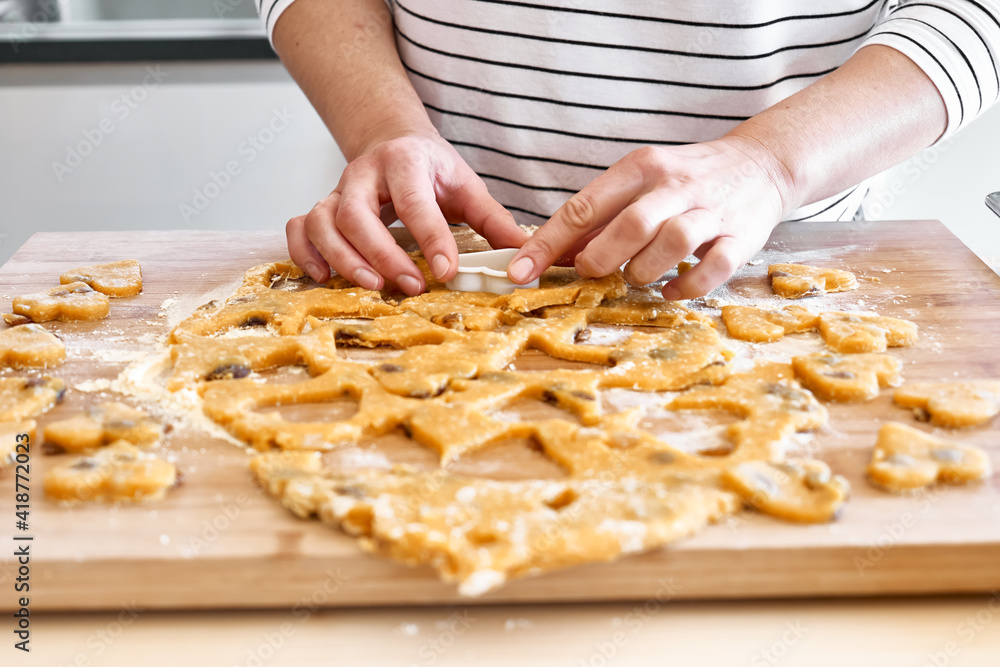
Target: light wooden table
point(816, 633)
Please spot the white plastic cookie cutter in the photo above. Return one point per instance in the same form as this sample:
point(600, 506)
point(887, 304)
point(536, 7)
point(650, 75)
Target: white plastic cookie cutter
point(486, 272)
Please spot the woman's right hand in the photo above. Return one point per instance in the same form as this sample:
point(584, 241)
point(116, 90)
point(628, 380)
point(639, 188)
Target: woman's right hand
point(418, 177)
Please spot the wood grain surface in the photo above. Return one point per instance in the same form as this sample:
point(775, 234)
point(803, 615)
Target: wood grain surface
point(218, 542)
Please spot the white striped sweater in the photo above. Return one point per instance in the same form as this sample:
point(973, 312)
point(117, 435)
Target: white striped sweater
point(540, 96)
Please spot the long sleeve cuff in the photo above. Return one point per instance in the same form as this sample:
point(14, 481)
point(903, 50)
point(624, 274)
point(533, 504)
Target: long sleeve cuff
point(270, 11)
point(956, 43)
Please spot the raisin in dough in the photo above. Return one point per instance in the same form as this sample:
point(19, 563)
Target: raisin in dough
point(855, 377)
point(850, 333)
point(905, 459)
point(766, 326)
point(794, 281)
point(115, 279)
point(30, 346)
point(952, 404)
point(119, 472)
point(23, 398)
point(101, 425)
point(801, 491)
point(75, 301)
point(481, 533)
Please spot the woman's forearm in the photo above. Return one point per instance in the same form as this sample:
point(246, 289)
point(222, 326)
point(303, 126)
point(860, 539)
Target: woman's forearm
point(876, 110)
point(343, 56)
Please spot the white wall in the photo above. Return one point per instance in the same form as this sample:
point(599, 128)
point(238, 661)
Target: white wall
point(151, 143)
point(168, 137)
point(949, 183)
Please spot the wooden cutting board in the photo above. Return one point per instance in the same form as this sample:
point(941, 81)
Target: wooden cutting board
point(216, 541)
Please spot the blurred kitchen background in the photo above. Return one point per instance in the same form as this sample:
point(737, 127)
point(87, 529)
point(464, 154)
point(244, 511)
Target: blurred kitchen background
point(138, 114)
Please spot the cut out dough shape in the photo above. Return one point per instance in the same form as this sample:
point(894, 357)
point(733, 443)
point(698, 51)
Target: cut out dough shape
point(115, 279)
point(75, 301)
point(794, 281)
point(481, 533)
point(952, 404)
point(23, 398)
point(101, 425)
point(30, 346)
point(855, 377)
point(802, 491)
point(119, 472)
point(850, 333)
point(905, 458)
point(765, 326)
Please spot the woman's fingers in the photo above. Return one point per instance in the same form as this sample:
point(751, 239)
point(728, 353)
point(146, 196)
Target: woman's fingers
point(324, 237)
point(721, 261)
point(412, 193)
point(303, 252)
point(473, 204)
point(589, 209)
point(676, 238)
point(358, 221)
point(632, 230)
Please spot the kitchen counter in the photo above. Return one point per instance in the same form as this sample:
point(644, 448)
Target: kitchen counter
point(116, 30)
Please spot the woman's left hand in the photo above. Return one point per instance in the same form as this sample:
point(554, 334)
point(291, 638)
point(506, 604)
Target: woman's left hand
point(718, 200)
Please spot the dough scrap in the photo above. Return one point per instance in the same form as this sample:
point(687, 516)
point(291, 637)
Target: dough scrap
point(772, 404)
point(30, 346)
point(461, 311)
point(799, 490)
point(398, 331)
point(583, 293)
point(23, 398)
point(850, 333)
point(448, 390)
point(75, 301)
point(855, 377)
point(102, 425)
point(236, 405)
point(120, 472)
point(765, 326)
point(202, 359)
point(905, 458)
point(481, 533)
point(794, 281)
point(287, 312)
point(952, 404)
point(115, 279)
